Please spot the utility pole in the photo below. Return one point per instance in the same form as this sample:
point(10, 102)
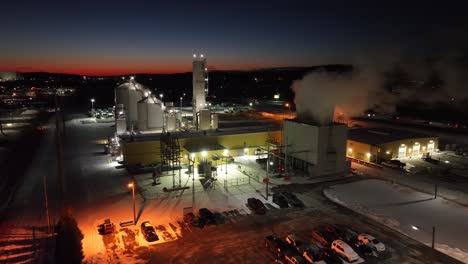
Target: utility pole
point(286, 156)
point(435, 191)
point(59, 150)
point(267, 169)
point(433, 237)
point(193, 181)
point(46, 203)
point(132, 185)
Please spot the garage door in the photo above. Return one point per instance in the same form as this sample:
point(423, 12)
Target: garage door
point(402, 151)
point(416, 149)
point(430, 147)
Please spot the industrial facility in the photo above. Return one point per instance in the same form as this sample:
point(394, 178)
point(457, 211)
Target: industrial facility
point(153, 133)
point(382, 144)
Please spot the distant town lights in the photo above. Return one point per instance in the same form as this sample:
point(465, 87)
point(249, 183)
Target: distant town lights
point(194, 55)
point(201, 56)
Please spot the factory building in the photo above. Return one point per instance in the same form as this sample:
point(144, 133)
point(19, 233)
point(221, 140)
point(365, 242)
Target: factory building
point(316, 149)
point(382, 144)
point(146, 149)
point(154, 133)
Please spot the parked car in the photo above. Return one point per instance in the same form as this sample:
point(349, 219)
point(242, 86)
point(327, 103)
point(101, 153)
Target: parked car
point(193, 219)
point(324, 237)
point(362, 249)
point(206, 216)
point(295, 243)
point(344, 250)
point(314, 254)
point(396, 164)
point(371, 242)
point(276, 244)
point(256, 206)
point(330, 257)
point(149, 232)
point(292, 199)
point(280, 200)
point(292, 257)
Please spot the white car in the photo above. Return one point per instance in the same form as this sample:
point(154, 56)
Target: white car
point(344, 250)
point(371, 242)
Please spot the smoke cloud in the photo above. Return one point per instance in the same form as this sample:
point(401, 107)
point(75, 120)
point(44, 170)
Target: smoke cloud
point(317, 94)
point(381, 82)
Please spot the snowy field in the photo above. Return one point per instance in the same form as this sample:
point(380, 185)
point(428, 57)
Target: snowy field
point(408, 211)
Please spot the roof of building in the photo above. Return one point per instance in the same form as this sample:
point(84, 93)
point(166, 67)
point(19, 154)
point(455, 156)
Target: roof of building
point(376, 136)
point(194, 147)
point(192, 134)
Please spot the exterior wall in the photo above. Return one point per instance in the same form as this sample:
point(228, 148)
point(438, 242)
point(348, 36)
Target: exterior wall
point(361, 151)
point(148, 152)
point(392, 147)
point(324, 147)
point(387, 151)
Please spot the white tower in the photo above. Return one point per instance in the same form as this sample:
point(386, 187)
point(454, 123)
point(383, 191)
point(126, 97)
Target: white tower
point(199, 85)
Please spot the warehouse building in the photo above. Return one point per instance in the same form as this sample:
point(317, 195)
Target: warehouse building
point(382, 144)
point(146, 149)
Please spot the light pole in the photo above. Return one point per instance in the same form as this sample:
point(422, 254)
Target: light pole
point(132, 185)
point(181, 104)
point(226, 152)
point(433, 233)
point(192, 159)
point(92, 105)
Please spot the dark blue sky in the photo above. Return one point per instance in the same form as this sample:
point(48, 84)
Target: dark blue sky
point(114, 37)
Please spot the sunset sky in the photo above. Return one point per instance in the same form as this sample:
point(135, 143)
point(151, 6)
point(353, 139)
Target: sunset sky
point(118, 37)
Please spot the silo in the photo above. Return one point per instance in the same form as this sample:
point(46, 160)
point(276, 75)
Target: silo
point(204, 122)
point(214, 121)
point(129, 94)
point(171, 123)
point(150, 114)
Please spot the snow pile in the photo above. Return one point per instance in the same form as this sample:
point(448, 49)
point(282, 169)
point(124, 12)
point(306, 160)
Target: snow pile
point(408, 211)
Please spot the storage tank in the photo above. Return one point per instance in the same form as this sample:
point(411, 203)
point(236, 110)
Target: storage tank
point(150, 114)
point(214, 121)
point(204, 122)
point(171, 123)
point(129, 94)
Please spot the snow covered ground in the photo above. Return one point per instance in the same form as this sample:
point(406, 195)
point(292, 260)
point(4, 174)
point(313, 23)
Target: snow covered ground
point(163, 209)
point(408, 211)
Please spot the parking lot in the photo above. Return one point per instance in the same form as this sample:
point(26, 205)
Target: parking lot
point(241, 238)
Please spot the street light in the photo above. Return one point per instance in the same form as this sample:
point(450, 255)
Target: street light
point(226, 152)
point(92, 104)
point(181, 103)
point(161, 95)
point(132, 185)
point(416, 228)
point(204, 153)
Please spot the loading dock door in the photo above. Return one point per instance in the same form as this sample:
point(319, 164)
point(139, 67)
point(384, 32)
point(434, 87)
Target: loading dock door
point(402, 151)
point(430, 147)
point(416, 148)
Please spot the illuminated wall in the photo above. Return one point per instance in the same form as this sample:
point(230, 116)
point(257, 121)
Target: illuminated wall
point(148, 152)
